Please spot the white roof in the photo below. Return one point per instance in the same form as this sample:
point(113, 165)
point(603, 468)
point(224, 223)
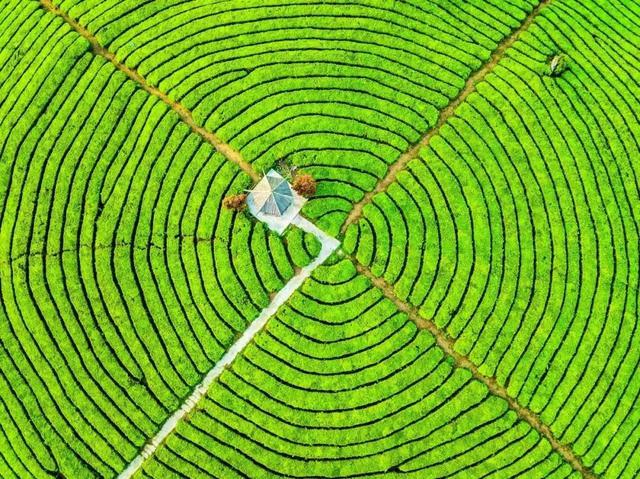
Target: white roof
point(272, 195)
point(274, 203)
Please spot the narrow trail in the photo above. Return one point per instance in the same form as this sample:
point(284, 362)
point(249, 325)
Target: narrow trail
point(447, 344)
point(185, 114)
point(329, 245)
point(443, 340)
point(443, 117)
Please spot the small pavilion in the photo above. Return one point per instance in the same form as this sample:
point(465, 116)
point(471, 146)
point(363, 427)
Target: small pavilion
point(274, 202)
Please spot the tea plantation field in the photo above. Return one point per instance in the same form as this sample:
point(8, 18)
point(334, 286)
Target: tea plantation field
point(480, 319)
point(342, 384)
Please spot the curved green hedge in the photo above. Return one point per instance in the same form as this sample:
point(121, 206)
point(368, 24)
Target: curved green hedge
point(517, 230)
point(341, 88)
point(122, 280)
point(340, 384)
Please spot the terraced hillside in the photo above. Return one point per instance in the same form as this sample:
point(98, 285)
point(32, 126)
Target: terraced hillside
point(343, 385)
point(480, 320)
point(527, 205)
point(121, 281)
point(341, 88)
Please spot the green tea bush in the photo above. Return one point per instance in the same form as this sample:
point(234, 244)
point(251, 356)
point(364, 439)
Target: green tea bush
point(341, 89)
point(340, 384)
point(515, 231)
point(122, 280)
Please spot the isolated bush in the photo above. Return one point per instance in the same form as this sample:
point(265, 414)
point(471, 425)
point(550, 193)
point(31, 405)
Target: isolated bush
point(557, 65)
point(287, 170)
point(305, 185)
point(235, 202)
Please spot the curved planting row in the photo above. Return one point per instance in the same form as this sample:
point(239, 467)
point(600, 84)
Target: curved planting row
point(340, 384)
point(122, 280)
point(517, 231)
point(340, 88)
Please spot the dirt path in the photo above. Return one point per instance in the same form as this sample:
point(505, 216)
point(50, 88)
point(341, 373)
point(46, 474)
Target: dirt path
point(329, 245)
point(447, 344)
point(443, 117)
point(185, 114)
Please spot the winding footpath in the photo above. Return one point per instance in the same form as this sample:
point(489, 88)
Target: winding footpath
point(329, 245)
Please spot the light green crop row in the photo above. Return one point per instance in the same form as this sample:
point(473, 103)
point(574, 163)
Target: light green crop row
point(340, 384)
point(516, 231)
point(122, 280)
point(340, 88)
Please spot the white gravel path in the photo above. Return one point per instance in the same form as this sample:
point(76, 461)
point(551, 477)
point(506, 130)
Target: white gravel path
point(329, 245)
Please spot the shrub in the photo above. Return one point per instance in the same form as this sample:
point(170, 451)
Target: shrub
point(305, 185)
point(557, 65)
point(287, 171)
point(235, 202)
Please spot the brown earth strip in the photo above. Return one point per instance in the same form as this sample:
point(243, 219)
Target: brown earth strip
point(442, 339)
point(445, 114)
point(445, 342)
point(228, 151)
point(448, 346)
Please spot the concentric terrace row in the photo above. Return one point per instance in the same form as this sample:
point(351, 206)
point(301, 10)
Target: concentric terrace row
point(341, 87)
point(122, 281)
point(517, 231)
point(340, 384)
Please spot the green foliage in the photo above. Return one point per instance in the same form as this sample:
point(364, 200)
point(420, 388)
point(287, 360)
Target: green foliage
point(342, 384)
point(302, 247)
point(516, 231)
point(340, 89)
point(122, 279)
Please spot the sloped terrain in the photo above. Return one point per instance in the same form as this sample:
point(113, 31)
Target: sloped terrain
point(481, 317)
point(341, 384)
point(341, 88)
point(121, 281)
point(529, 204)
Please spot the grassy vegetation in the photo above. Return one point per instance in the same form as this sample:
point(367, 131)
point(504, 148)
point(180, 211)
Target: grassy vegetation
point(122, 280)
point(517, 230)
point(341, 88)
point(340, 384)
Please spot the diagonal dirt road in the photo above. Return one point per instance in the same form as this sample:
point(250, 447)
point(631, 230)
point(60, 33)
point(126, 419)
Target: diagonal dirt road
point(329, 245)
